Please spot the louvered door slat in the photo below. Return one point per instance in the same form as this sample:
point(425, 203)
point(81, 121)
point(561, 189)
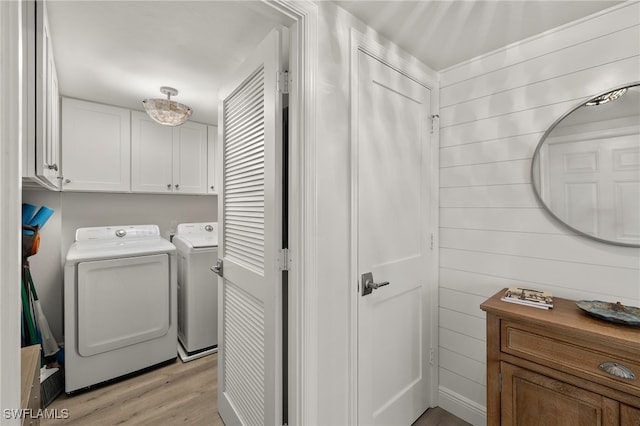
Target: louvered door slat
point(246, 106)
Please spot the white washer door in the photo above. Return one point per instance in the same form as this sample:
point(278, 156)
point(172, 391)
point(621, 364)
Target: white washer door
point(122, 302)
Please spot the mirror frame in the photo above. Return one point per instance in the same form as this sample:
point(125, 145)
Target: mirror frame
point(536, 154)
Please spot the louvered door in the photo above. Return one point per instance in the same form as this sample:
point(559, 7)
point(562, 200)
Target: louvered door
point(249, 212)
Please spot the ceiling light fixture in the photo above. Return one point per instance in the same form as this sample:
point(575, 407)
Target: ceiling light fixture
point(166, 111)
point(603, 99)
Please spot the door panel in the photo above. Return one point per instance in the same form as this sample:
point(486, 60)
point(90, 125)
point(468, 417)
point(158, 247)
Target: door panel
point(122, 302)
point(530, 399)
point(151, 155)
point(190, 158)
point(250, 355)
point(392, 203)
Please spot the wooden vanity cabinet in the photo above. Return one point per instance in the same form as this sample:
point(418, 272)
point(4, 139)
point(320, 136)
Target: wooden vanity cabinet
point(544, 367)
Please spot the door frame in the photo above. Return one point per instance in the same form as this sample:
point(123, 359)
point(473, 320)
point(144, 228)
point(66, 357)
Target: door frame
point(402, 62)
point(302, 310)
point(301, 16)
point(11, 115)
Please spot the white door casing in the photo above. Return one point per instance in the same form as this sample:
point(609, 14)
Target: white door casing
point(249, 214)
point(302, 301)
point(392, 230)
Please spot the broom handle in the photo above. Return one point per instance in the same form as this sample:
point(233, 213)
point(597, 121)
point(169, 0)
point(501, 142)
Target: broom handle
point(26, 310)
point(30, 279)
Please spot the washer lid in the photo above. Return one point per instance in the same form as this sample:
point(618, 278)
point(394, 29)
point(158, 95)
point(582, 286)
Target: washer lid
point(108, 242)
point(199, 240)
point(111, 249)
point(198, 235)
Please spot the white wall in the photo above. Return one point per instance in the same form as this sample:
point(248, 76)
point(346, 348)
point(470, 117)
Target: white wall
point(493, 232)
point(75, 210)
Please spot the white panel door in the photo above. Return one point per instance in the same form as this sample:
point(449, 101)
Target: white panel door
point(151, 155)
point(391, 156)
point(190, 158)
point(249, 209)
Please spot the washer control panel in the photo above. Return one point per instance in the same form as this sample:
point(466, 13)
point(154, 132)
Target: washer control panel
point(117, 232)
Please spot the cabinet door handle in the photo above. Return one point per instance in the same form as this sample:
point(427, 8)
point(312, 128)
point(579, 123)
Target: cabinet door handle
point(168, 186)
point(212, 187)
point(67, 181)
point(177, 186)
point(617, 370)
point(52, 167)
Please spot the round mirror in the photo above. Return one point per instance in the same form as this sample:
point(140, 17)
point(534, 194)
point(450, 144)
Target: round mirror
point(586, 168)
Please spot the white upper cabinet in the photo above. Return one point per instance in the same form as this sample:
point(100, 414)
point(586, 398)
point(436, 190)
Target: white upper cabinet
point(41, 147)
point(212, 146)
point(96, 142)
point(168, 159)
point(151, 155)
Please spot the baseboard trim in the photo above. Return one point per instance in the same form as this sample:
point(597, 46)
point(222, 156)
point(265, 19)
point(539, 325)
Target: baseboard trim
point(463, 407)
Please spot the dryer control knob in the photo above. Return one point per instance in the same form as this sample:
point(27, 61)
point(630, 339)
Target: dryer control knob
point(121, 233)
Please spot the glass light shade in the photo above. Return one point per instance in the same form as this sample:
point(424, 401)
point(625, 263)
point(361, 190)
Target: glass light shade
point(167, 112)
point(607, 97)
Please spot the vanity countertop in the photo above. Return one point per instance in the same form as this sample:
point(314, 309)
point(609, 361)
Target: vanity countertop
point(568, 318)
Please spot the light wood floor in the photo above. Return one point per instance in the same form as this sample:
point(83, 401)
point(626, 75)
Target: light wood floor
point(176, 394)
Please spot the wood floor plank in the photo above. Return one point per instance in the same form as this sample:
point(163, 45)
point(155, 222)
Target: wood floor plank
point(175, 394)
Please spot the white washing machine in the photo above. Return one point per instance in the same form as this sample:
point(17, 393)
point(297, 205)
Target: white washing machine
point(120, 303)
point(197, 245)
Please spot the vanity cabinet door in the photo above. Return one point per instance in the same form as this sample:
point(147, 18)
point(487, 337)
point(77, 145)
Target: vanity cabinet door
point(629, 416)
point(531, 399)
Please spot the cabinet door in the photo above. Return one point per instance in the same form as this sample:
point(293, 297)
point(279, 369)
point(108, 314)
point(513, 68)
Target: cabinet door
point(151, 155)
point(629, 416)
point(52, 135)
point(95, 147)
point(212, 146)
point(529, 399)
point(42, 150)
point(190, 158)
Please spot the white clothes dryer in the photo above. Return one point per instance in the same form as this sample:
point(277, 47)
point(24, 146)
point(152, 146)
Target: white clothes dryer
point(197, 245)
point(120, 303)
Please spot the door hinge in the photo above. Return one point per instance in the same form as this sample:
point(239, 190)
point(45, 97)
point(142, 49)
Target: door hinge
point(284, 260)
point(431, 356)
point(434, 122)
point(431, 242)
point(282, 82)
point(499, 382)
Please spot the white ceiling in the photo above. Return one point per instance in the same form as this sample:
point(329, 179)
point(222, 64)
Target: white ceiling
point(121, 52)
point(442, 33)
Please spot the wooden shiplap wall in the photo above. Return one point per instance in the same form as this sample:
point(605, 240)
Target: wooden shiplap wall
point(493, 232)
